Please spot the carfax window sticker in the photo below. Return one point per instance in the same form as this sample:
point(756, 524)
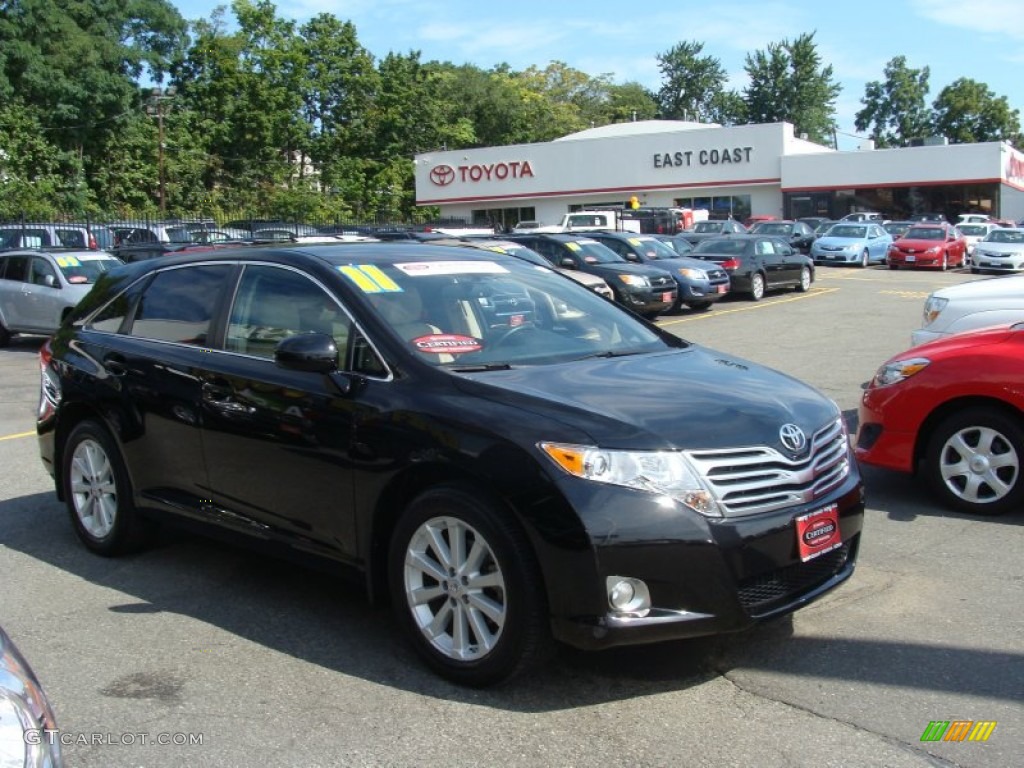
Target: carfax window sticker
point(429, 268)
point(370, 278)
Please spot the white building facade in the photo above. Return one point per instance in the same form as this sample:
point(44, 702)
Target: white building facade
point(731, 171)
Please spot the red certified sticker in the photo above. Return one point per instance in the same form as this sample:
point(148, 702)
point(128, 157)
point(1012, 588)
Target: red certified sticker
point(818, 532)
point(450, 343)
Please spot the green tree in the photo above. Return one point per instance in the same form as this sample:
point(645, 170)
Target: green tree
point(627, 102)
point(895, 110)
point(968, 111)
point(788, 83)
point(690, 83)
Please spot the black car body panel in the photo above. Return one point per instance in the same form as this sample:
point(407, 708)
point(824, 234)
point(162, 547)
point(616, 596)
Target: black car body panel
point(320, 465)
point(775, 260)
point(659, 293)
point(700, 284)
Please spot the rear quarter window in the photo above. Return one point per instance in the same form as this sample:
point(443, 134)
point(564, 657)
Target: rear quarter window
point(179, 304)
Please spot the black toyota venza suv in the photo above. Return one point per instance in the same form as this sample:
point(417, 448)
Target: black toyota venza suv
point(511, 458)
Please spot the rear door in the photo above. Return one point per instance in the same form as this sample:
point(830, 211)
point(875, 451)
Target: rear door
point(15, 293)
point(153, 344)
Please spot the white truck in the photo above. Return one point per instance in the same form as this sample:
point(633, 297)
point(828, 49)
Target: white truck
point(589, 221)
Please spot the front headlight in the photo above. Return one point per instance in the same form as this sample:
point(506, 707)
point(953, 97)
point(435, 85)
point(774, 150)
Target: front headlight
point(663, 472)
point(693, 274)
point(635, 280)
point(933, 308)
point(899, 370)
point(936, 249)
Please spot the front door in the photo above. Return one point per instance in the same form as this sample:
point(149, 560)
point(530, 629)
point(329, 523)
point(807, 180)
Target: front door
point(278, 441)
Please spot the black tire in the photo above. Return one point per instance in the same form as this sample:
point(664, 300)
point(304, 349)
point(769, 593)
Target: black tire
point(98, 493)
point(805, 280)
point(5, 336)
point(865, 259)
point(975, 270)
point(975, 459)
point(756, 286)
point(506, 608)
point(700, 306)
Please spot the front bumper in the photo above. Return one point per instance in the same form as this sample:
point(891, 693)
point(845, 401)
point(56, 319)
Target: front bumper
point(886, 433)
point(835, 257)
point(900, 259)
point(705, 575)
point(644, 301)
point(1002, 263)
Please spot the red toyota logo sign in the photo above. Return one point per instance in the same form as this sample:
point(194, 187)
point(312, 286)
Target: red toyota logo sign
point(442, 175)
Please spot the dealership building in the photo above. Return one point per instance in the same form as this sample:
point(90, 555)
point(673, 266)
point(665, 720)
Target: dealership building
point(734, 171)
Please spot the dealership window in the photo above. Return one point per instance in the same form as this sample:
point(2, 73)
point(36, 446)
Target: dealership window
point(896, 203)
point(718, 206)
point(502, 218)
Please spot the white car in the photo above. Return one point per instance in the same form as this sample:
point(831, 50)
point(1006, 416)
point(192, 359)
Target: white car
point(973, 232)
point(1001, 250)
point(969, 306)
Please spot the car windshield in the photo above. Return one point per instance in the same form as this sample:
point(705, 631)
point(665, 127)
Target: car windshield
point(896, 228)
point(773, 228)
point(180, 235)
point(708, 226)
point(974, 230)
point(593, 252)
point(21, 237)
point(85, 269)
point(825, 226)
point(487, 313)
point(925, 233)
point(653, 248)
point(848, 230)
point(1015, 236)
point(723, 245)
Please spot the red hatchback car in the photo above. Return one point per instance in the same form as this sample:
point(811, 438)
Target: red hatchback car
point(952, 409)
point(928, 245)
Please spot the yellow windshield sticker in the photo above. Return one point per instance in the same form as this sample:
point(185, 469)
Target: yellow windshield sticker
point(68, 261)
point(635, 241)
point(370, 278)
point(572, 246)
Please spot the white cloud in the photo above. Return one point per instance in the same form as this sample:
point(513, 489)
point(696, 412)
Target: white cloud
point(999, 17)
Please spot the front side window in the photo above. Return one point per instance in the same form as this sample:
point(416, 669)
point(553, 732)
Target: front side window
point(272, 304)
point(179, 304)
point(42, 273)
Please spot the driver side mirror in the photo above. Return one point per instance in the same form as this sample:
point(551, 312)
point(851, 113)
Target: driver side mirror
point(314, 352)
point(50, 281)
point(630, 256)
point(567, 263)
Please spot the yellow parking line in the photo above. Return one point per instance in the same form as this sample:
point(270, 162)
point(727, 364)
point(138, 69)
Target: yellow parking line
point(20, 434)
point(762, 305)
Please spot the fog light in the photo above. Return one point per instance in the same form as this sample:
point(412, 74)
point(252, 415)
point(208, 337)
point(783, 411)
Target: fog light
point(626, 595)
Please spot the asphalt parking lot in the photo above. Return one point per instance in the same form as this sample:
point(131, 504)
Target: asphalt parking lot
point(268, 664)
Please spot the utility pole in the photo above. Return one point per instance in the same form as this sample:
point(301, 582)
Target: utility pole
point(159, 96)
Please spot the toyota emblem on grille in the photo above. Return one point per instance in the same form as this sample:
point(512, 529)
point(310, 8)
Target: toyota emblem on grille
point(442, 175)
point(793, 437)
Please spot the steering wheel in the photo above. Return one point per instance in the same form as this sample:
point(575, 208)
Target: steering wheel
point(511, 332)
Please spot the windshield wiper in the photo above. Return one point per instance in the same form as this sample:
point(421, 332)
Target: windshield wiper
point(609, 353)
point(482, 367)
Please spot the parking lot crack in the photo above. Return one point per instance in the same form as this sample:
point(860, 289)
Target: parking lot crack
point(931, 759)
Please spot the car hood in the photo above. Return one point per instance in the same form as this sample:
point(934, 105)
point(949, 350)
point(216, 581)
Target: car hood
point(1000, 247)
point(693, 398)
point(967, 342)
point(840, 241)
point(624, 267)
point(1009, 289)
point(922, 245)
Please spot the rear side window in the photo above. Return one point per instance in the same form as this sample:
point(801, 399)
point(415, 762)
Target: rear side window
point(179, 304)
point(16, 268)
point(71, 238)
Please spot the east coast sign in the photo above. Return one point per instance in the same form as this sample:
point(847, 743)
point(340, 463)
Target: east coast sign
point(692, 157)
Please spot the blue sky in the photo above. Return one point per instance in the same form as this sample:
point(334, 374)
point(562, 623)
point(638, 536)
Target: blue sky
point(978, 39)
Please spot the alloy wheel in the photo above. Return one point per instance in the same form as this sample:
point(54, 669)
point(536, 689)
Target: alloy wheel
point(93, 488)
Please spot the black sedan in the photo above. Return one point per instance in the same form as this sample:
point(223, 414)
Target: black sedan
point(757, 263)
point(646, 290)
point(700, 285)
point(796, 233)
point(510, 458)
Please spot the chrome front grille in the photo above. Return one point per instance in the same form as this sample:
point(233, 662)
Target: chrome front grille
point(756, 479)
point(663, 283)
